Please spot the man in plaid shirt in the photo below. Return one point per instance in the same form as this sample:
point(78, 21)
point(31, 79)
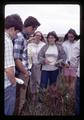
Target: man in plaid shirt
point(21, 58)
point(13, 24)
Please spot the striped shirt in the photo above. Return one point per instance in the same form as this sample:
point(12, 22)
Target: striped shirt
point(20, 50)
point(9, 59)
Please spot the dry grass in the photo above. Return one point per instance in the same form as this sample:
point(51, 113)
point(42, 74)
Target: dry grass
point(53, 101)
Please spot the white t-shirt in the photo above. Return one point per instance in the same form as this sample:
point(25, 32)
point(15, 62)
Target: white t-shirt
point(71, 52)
point(33, 50)
point(51, 55)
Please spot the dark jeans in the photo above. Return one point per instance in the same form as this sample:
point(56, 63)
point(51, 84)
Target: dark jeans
point(77, 106)
point(9, 100)
point(48, 75)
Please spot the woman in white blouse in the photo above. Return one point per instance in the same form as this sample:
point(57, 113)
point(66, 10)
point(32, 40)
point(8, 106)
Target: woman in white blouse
point(34, 65)
point(71, 61)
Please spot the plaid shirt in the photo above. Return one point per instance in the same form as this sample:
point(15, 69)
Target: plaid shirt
point(20, 50)
point(9, 59)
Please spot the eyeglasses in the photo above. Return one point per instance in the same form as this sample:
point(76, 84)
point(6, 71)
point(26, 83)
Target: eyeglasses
point(38, 35)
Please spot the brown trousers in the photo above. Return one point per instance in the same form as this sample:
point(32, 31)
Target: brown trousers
point(35, 78)
point(20, 95)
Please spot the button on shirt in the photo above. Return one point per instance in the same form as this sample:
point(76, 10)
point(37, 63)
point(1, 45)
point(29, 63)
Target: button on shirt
point(20, 50)
point(9, 59)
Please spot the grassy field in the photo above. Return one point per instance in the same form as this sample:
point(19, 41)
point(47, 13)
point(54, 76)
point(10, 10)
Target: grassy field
point(57, 101)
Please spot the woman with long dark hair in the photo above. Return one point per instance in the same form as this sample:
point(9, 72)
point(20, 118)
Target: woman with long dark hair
point(33, 50)
point(71, 62)
point(48, 56)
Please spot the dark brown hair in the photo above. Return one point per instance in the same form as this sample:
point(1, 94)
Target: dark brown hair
point(71, 31)
point(15, 21)
point(53, 33)
point(31, 21)
point(42, 37)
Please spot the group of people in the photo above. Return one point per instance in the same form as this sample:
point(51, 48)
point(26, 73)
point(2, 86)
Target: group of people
point(37, 61)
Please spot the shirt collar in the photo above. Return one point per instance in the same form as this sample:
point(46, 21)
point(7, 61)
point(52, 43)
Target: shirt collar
point(6, 34)
point(26, 35)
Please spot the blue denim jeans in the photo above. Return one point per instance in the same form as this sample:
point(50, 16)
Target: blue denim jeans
point(50, 76)
point(9, 100)
point(77, 106)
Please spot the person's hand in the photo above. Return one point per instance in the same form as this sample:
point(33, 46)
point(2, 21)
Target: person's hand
point(32, 40)
point(26, 75)
point(11, 75)
point(67, 65)
point(13, 82)
point(47, 61)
